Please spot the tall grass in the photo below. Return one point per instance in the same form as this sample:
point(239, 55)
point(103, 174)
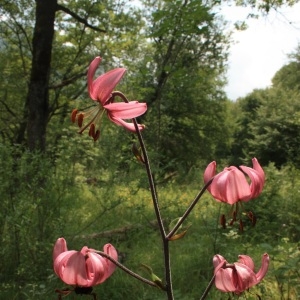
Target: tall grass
point(92, 206)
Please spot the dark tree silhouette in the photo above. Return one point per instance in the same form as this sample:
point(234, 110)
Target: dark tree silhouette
point(37, 101)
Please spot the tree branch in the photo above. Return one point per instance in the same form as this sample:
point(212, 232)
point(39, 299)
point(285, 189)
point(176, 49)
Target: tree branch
point(78, 18)
point(67, 81)
point(6, 106)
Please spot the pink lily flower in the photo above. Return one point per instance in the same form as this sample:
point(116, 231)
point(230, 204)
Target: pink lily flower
point(239, 276)
point(83, 268)
point(231, 185)
point(100, 90)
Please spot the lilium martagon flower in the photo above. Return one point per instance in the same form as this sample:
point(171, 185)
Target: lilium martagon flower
point(100, 91)
point(231, 185)
point(239, 276)
point(82, 269)
point(235, 185)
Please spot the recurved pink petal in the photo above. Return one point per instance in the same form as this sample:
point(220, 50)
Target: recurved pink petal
point(264, 267)
point(60, 262)
point(112, 252)
point(230, 186)
point(257, 167)
point(96, 267)
point(257, 183)
point(70, 267)
point(75, 272)
point(124, 110)
point(105, 84)
point(257, 177)
point(210, 172)
point(225, 280)
point(59, 247)
point(246, 260)
point(126, 125)
point(217, 260)
point(90, 75)
point(245, 276)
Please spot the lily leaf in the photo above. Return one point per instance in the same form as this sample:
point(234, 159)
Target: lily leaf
point(180, 232)
point(137, 153)
point(154, 277)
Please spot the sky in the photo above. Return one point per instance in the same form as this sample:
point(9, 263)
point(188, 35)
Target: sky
point(261, 50)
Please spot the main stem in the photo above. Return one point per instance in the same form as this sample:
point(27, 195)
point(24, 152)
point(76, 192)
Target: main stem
point(168, 277)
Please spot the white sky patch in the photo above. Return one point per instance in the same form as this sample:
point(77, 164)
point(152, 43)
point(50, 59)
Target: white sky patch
point(261, 50)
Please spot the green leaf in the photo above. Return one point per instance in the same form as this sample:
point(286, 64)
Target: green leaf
point(154, 277)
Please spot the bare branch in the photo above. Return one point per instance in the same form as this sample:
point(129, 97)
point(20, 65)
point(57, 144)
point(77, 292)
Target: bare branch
point(6, 106)
point(78, 18)
point(67, 81)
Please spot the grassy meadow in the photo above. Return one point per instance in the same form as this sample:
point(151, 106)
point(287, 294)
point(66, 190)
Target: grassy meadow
point(116, 207)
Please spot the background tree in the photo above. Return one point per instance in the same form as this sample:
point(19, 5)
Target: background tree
point(245, 116)
point(56, 54)
point(276, 130)
point(48, 64)
point(268, 122)
point(184, 89)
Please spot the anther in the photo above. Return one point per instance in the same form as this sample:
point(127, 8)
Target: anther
point(80, 120)
point(252, 217)
point(73, 115)
point(92, 130)
point(223, 221)
point(234, 215)
point(96, 135)
point(241, 226)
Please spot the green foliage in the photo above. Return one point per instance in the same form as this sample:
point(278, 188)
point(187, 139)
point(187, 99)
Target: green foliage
point(74, 46)
point(184, 90)
point(267, 125)
point(32, 199)
point(89, 192)
point(95, 210)
point(265, 6)
point(276, 136)
point(246, 115)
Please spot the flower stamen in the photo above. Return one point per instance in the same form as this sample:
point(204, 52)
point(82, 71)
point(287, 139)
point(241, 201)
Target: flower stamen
point(73, 115)
point(94, 114)
point(80, 119)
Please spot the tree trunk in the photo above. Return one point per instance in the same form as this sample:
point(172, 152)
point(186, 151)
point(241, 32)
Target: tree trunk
point(38, 95)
